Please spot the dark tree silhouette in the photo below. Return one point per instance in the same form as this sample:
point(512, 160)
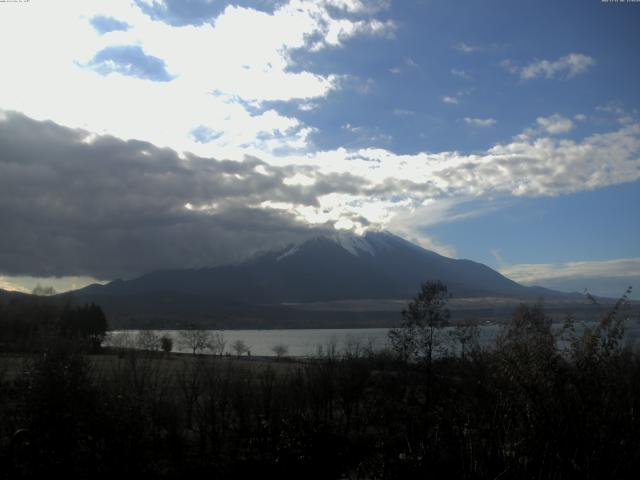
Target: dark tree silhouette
point(166, 343)
point(87, 322)
point(416, 337)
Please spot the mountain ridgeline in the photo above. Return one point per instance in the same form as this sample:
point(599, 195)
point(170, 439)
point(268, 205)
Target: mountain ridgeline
point(377, 265)
point(332, 281)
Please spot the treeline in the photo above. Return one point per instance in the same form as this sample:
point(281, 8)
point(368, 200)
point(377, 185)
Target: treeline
point(28, 323)
point(530, 407)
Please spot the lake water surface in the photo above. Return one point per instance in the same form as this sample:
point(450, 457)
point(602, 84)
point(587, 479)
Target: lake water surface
point(306, 342)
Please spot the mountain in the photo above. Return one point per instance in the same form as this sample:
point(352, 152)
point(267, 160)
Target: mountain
point(326, 268)
point(271, 289)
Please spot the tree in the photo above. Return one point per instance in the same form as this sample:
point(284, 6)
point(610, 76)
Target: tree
point(195, 339)
point(239, 347)
point(466, 333)
point(217, 343)
point(43, 291)
point(416, 337)
point(528, 334)
point(166, 343)
point(595, 345)
point(148, 340)
point(86, 322)
point(280, 350)
point(526, 354)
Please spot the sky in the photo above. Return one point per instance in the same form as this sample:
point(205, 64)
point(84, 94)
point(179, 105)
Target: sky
point(138, 135)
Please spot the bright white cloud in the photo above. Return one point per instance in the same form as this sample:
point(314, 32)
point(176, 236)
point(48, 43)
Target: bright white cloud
point(404, 187)
point(359, 6)
point(555, 124)
point(26, 284)
point(607, 278)
point(565, 67)
point(8, 284)
point(536, 272)
point(480, 122)
point(244, 56)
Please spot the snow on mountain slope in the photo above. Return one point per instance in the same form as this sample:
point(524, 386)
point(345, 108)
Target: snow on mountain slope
point(329, 267)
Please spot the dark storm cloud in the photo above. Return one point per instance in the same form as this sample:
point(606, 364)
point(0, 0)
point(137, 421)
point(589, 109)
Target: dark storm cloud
point(132, 61)
point(103, 24)
point(76, 204)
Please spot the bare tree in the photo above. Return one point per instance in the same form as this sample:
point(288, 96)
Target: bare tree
point(467, 333)
point(148, 340)
point(280, 350)
point(217, 343)
point(121, 342)
point(195, 339)
point(239, 347)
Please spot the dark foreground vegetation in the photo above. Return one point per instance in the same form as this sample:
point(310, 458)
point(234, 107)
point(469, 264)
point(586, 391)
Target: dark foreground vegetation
point(523, 409)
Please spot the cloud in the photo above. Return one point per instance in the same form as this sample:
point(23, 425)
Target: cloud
point(529, 165)
point(359, 6)
point(530, 273)
point(427, 241)
point(565, 67)
point(402, 112)
point(466, 48)
point(460, 74)
point(607, 277)
point(480, 122)
point(77, 203)
point(409, 63)
point(11, 285)
point(104, 24)
point(455, 99)
point(130, 60)
point(222, 79)
point(413, 221)
point(74, 203)
point(197, 12)
point(182, 12)
point(60, 284)
point(618, 111)
point(555, 124)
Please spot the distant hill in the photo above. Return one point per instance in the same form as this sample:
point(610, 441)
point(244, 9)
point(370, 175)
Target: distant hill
point(6, 295)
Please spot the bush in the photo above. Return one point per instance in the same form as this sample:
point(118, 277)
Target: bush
point(166, 344)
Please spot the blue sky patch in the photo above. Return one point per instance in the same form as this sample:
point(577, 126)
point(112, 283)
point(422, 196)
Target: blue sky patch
point(104, 24)
point(130, 60)
point(204, 134)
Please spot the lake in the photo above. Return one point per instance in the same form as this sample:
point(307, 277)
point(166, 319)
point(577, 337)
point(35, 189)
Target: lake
point(303, 343)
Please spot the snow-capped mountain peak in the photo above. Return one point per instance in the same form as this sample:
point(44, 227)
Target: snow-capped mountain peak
point(354, 244)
